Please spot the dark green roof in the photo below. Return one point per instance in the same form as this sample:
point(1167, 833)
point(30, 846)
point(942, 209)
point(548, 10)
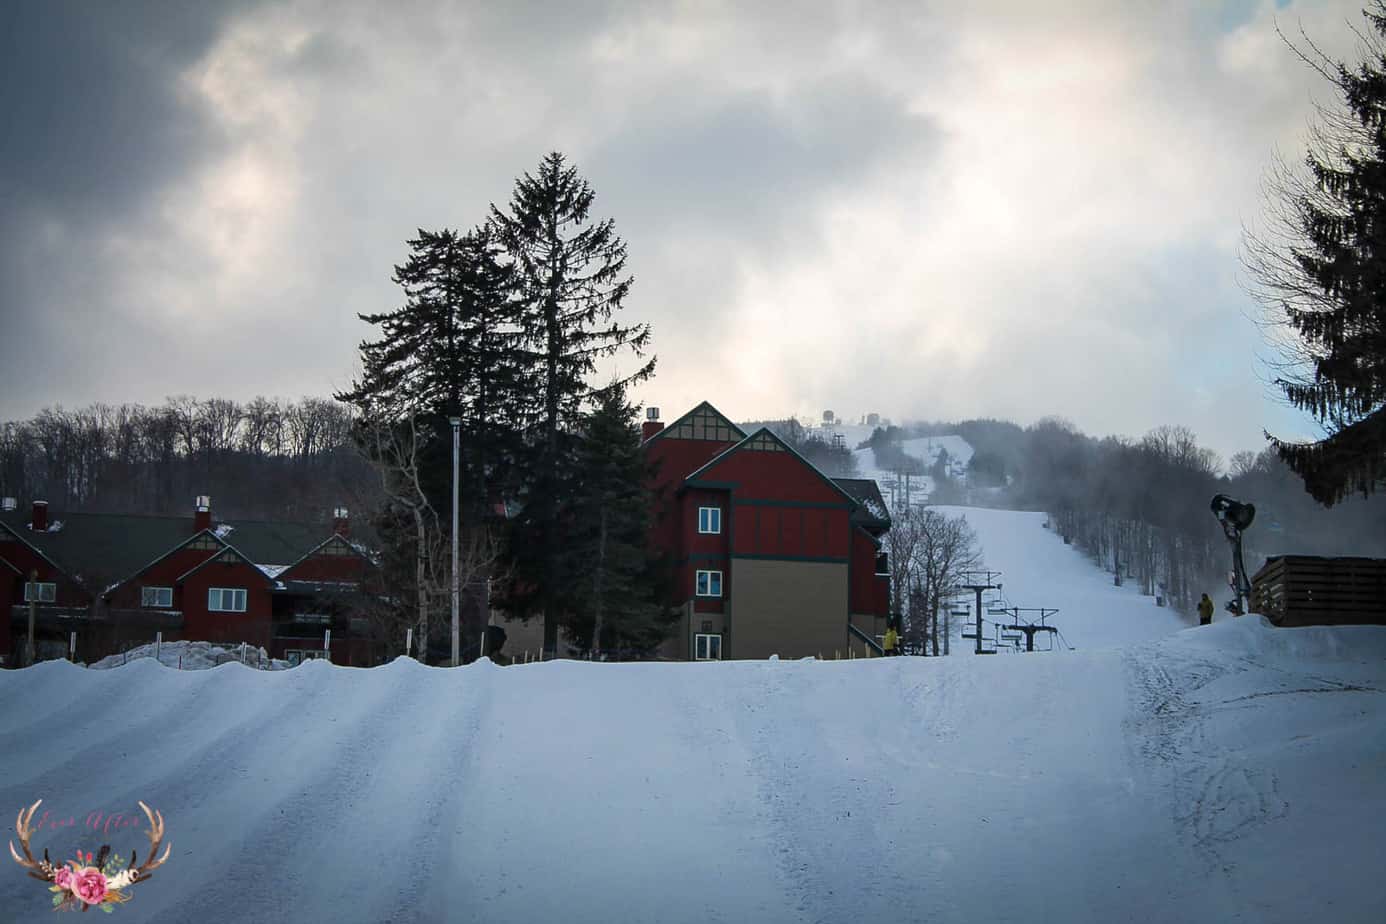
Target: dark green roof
point(100, 549)
point(865, 491)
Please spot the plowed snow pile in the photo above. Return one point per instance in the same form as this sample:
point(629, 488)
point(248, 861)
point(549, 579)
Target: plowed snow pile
point(1230, 772)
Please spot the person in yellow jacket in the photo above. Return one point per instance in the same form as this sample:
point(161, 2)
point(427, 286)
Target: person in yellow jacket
point(892, 642)
point(1205, 611)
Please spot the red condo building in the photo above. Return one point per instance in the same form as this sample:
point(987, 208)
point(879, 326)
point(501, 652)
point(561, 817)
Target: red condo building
point(772, 555)
point(116, 580)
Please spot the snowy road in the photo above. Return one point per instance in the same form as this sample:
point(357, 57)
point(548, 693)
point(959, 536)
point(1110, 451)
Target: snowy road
point(1222, 773)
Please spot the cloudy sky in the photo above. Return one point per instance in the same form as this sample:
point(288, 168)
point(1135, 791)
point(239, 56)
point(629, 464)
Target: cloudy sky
point(923, 209)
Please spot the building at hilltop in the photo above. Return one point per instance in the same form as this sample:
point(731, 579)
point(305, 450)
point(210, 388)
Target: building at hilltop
point(116, 580)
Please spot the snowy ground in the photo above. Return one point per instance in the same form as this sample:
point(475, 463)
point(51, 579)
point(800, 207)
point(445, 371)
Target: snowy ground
point(1234, 772)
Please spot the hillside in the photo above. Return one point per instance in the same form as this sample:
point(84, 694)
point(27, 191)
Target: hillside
point(1038, 570)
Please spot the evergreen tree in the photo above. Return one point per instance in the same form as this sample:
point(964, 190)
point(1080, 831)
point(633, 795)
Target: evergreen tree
point(1322, 270)
point(452, 350)
point(616, 603)
point(570, 276)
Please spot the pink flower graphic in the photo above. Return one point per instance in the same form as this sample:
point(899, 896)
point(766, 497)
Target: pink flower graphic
point(63, 878)
point(89, 885)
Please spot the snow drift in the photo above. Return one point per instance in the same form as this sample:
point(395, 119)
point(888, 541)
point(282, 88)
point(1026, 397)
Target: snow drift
point(1230, 771)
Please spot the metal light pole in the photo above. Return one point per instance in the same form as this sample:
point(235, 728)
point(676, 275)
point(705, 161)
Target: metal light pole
point(456, 600)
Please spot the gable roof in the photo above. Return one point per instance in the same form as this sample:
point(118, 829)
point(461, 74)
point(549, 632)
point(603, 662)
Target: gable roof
point(105, 550)
point(96, 549)
point(704, 422)
point(766, 439)
point(335, 537)
point(224, 555)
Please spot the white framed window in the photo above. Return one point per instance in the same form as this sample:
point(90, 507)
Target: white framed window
point(40, 592)
point(710, 520)
point(161, 597)
point(226, 599)
point(709, 584)
point(707, 647)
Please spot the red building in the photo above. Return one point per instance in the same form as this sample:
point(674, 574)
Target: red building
point(773, 556)
point(116, 580)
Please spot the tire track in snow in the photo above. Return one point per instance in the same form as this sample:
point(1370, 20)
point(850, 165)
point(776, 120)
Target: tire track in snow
point(1215, 797)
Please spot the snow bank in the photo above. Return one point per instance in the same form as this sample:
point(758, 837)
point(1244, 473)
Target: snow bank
point(192, 656)
point(1197, 778)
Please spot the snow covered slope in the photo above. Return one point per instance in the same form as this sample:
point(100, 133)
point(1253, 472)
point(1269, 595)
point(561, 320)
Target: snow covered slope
point(1038, 570)
point(1230, 772)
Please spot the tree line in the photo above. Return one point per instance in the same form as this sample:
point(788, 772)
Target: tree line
point(1140, 507)
point(266, 458)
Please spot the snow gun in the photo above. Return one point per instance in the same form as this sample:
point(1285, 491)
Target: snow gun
point(1235, 518)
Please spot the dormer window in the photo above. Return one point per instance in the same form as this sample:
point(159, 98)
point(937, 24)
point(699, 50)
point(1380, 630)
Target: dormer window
point(710, 520)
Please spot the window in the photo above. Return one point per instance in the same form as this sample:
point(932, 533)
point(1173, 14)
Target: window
point(47, 592)
point(707, 647)
point(709, 519)
point(709, 584)
point(161, 597)
point(296, 656)
point(226, 599)
point(882, 563)
point(293, 656)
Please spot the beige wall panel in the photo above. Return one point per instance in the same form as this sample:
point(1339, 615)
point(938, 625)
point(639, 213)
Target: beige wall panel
point(790, 608)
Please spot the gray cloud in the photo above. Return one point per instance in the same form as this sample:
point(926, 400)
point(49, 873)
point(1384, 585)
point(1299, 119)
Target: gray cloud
point(926, 210)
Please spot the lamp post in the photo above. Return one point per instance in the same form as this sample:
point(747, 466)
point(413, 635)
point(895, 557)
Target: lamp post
point(456, 619)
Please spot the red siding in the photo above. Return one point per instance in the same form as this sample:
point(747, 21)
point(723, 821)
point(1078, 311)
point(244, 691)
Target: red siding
point(774, 476)
point(8, 582)
point(870, 594)
point(68, 592)
point(322, 567)
point(252, 626)
point(675, 459)
point(163, 573)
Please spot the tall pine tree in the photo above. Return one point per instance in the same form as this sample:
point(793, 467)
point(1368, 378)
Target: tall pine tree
point(452, 349)
point(570, 272)
point(1321, 268)
point(618, 601)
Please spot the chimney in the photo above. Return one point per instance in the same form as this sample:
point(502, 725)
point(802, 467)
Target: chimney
point(341, 522)
point(202, 513)
point(651, 425)
point(8, 503)
point(39, 522)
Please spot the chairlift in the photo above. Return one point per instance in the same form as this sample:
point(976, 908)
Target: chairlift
point(996, 609)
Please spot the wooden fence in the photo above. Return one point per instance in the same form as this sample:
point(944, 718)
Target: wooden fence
point(1307, 590)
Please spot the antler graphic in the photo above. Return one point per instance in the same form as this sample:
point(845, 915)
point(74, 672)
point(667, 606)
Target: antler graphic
point(156, 838)
point(42, 870)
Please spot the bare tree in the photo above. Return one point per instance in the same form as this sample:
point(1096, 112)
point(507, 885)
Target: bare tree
point(395, 448)
point(946, 550)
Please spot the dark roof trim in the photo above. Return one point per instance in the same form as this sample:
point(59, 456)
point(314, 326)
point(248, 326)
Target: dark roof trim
point(700, 406)
point(875, 540)
point(177, 548)
point(852, 501)
point(39, 552)
point(11, 567)
point(216, 555)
